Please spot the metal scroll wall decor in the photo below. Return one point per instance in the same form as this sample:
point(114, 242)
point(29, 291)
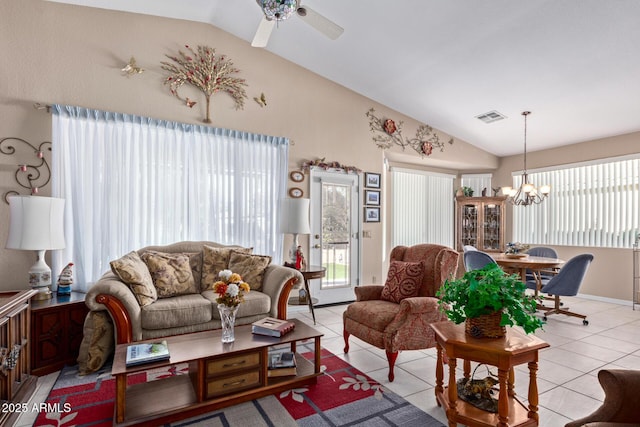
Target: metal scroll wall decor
point(33, 175)
point(387, 133)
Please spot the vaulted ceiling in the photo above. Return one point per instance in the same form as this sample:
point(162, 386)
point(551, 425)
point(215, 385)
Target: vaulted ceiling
point(575, 64)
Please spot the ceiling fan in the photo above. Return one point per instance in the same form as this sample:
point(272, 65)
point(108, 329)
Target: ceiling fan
point(279, 10)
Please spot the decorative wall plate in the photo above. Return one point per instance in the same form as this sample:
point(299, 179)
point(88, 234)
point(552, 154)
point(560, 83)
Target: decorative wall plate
point(295, 192)
point(296, 176)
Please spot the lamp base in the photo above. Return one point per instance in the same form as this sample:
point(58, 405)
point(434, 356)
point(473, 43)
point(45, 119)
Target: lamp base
point(40, 278)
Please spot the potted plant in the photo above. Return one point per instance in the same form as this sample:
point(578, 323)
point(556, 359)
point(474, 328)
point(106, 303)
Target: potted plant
point(487, 300)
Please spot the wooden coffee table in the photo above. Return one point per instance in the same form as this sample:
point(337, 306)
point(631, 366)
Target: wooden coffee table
point(220, 375)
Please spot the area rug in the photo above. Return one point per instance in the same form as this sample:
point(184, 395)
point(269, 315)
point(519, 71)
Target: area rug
point(343, 396)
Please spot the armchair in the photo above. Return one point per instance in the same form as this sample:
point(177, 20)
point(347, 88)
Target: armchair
point(621, 400)
point(400, 320)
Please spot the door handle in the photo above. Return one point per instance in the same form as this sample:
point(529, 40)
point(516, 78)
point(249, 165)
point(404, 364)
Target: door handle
point(317, 246)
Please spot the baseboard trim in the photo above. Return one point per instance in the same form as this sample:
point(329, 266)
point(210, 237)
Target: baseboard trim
point(605, 299)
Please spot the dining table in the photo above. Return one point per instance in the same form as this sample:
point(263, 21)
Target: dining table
point(524, 262)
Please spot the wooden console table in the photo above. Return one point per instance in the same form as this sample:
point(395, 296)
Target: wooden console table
point(220, 375)
point(514, 349)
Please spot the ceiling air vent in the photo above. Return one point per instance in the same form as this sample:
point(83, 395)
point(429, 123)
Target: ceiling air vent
point(491, 116)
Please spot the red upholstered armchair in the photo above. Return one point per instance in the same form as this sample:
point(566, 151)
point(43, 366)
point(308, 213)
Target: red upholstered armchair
point(397, 316)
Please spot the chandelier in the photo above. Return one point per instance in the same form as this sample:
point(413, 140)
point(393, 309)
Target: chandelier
point(278, 10)
point(527, 194)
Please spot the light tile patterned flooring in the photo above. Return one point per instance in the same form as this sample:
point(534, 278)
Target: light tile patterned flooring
point(567, 374)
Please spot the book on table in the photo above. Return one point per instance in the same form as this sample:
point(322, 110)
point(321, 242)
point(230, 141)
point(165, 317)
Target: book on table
point(272, 327)
point(282, 364)
point(147, 352)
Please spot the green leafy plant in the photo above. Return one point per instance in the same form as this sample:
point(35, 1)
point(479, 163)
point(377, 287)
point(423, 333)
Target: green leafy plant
point(467, 191)
point(488, 290)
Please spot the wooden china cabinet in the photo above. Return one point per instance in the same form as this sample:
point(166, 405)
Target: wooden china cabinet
point(480, 223)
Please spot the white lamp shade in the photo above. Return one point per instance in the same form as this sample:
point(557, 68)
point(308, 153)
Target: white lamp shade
point(36, 223)
point(295, 216)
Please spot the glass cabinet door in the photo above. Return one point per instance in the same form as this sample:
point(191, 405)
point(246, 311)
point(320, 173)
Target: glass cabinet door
point(469, 229)
point(491, 227)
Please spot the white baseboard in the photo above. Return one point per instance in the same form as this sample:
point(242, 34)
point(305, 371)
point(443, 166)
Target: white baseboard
point(605, 299)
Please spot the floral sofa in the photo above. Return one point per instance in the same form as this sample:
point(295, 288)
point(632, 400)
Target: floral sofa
point(160, 291)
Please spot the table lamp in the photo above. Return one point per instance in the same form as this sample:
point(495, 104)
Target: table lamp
point(36, 223)
point(294, 220)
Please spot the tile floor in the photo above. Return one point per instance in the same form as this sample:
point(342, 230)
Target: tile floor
point(567, 376)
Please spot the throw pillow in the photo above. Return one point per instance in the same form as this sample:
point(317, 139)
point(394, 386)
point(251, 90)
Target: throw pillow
point(171, 273)
point(250, 267)
point(214, 260)
point(135, 274)
point(97, 342)
point(403, 281)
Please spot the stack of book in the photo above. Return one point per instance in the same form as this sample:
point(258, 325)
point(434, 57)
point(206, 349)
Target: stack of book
point(138, 354)
point(282, 364)
point(272, 327)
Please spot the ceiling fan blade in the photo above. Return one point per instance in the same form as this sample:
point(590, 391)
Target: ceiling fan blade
point(263, 33)
point(320, 23)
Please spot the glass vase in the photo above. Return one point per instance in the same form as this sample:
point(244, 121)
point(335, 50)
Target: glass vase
point(228, 319)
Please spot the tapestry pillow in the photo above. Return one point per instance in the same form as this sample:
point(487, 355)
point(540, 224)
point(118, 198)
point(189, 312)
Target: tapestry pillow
point(135, 274)
point(403, 281)
point(171, 273)
point(214, 260)
point(250, 267)
point(97, 342)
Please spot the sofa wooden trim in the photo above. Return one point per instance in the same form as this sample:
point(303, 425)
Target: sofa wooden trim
point(122, 321)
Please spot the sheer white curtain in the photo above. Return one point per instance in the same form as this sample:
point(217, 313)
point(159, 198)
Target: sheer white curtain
point(422, 207)
point(132, 181)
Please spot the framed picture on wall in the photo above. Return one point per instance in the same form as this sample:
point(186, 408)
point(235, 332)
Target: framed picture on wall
point(371, 180)
point(371, 214)
point(372, 197)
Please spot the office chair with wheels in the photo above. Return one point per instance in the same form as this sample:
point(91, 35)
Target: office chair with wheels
point(566, 283)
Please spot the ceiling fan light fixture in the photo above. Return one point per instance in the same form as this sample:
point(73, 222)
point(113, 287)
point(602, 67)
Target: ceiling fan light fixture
point(278, 10)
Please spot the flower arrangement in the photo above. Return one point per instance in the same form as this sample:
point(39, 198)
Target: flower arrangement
point(230, 288)
point(516, 248)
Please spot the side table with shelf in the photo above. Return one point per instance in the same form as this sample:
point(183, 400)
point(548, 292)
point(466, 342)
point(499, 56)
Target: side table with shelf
point(504, 353)
point(309, 272)
point(56, 332)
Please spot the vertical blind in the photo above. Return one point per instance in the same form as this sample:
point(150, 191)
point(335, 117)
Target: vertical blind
point(132, 181)
point(422, 208)
point(590, 204)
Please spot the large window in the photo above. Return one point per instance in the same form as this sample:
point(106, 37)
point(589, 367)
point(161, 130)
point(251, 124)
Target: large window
point(422, 208)
point(590, 204)
point(132, 181)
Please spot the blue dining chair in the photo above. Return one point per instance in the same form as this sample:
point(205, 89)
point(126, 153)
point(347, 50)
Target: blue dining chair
point(467, 248)
point(474, 260)
point(566, 283)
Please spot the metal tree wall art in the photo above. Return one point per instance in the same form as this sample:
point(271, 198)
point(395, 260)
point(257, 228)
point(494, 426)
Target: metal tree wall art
point(207, 71)
point(387, 132)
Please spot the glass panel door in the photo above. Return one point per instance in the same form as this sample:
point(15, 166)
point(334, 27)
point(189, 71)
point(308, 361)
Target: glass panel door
point(334, 235)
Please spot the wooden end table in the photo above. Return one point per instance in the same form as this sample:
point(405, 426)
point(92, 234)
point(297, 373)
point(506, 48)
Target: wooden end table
point(56, 331)
point(310, 272)
point(514, 349)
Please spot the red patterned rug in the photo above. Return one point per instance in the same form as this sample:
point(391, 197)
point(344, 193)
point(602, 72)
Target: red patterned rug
point(343, 396)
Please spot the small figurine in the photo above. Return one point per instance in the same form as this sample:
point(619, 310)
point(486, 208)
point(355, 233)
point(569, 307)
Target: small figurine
point(302, 296)
point(300, 261)
point(65, 280)
point(484, 192)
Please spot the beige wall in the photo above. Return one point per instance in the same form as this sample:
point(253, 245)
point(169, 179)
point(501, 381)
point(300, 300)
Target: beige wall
point(611, 272)
point(56, 53)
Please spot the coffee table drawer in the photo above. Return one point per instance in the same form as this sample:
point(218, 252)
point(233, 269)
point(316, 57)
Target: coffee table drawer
point(222, 366)
point(222, 386)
